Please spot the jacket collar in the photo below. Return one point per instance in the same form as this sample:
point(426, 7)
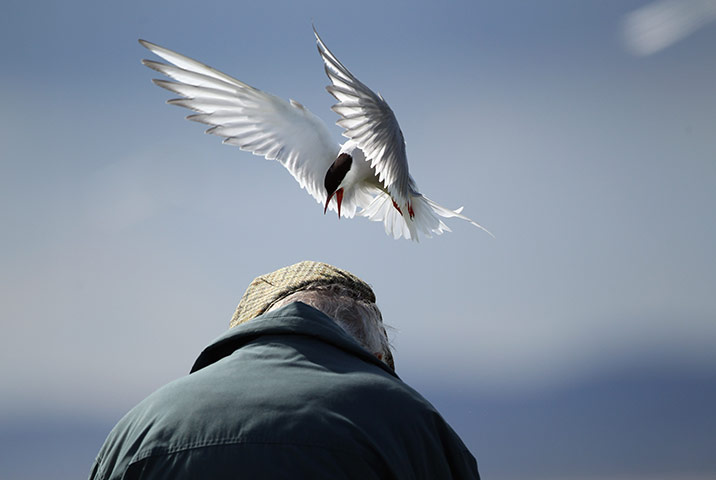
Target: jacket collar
point(293, 319)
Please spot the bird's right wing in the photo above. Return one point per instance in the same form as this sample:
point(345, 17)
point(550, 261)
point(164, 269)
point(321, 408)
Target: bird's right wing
point(371, 124)
point(253, 120)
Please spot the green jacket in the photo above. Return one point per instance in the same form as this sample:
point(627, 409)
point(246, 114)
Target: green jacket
point(287, 395)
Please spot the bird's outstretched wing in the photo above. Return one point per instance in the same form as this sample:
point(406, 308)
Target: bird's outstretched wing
point(369, 121)
point(249, 118)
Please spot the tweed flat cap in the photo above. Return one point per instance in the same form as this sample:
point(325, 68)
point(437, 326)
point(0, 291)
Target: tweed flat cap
point(267, 289)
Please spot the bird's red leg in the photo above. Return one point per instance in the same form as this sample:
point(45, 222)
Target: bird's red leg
point(397, 207)
point(410, 210)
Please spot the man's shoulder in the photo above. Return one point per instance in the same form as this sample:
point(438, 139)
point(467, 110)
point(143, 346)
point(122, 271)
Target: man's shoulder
point(213, 428)
point(268, 379)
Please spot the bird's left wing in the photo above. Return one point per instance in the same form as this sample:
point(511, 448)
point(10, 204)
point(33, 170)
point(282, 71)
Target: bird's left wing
point(369, 121)
point(253, 120)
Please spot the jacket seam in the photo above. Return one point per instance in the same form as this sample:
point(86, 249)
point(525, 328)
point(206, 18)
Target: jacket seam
point(159, 451)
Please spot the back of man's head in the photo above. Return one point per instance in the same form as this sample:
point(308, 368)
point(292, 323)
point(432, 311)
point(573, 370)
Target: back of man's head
point(342, 296)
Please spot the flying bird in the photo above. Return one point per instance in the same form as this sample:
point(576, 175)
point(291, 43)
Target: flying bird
point(367, 175)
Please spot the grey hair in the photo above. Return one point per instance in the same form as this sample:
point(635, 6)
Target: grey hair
point(359, 318)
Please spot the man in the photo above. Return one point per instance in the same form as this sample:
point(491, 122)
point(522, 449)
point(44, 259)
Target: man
point(301, 386)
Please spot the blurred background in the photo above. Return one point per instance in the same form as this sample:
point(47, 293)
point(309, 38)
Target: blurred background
point(580, 343)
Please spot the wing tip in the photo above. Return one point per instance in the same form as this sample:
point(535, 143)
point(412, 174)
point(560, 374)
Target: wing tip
point(318, 37)
point(197, 117)
point(148, 45)
point(184, 103)
point(154, 65)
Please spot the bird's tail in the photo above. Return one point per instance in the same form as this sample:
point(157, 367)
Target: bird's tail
point(426, 216)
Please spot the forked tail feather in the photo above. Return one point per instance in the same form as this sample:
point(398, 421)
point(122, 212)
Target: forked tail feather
point(427, 217)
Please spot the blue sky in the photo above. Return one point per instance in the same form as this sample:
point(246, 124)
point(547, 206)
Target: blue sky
point(129, 235)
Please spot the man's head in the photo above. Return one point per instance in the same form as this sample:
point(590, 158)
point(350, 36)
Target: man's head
point(342, 296)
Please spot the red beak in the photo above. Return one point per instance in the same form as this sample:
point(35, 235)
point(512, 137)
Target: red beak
point(339, 199)
point(327, 201)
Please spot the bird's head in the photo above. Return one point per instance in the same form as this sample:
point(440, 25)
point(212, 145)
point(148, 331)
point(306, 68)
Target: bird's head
point(334, 177)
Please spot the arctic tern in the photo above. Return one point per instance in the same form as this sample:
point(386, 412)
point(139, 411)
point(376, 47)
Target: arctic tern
point(369, 171)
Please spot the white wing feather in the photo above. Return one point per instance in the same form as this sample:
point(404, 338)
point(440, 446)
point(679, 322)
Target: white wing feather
point(369, 121)
point(249, 118)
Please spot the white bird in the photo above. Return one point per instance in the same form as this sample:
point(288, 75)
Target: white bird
point(369, 171)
